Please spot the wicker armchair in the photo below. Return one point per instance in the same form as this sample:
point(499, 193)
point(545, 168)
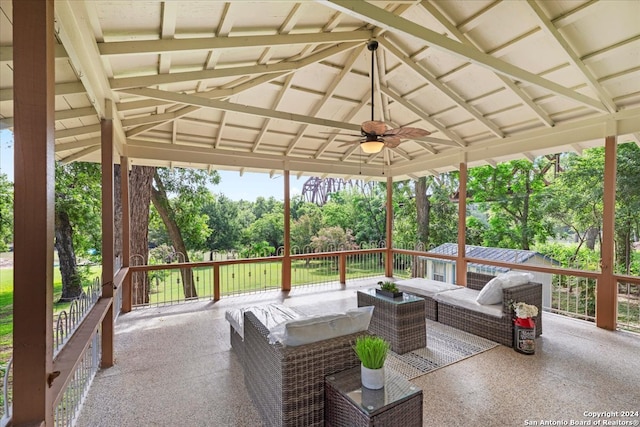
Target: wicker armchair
point(498, 329)
point(286, 384)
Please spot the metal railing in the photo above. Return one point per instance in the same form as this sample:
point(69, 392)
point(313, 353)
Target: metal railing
point(6, 393)
point(68, 408)
point(629, 305)
point(66, 322)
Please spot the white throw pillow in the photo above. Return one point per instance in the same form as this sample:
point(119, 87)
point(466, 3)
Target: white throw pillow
point(491, 293)
point(515, 278)
point(317, 328)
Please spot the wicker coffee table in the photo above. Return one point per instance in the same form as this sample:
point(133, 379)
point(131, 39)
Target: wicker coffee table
point(401, 321)
point(348, 404)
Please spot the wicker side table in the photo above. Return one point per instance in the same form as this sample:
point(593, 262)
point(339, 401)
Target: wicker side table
point(401, 321)
point(348, 404)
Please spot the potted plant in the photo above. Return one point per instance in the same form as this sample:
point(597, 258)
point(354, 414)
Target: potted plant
point(372, 352)
point(388, 289)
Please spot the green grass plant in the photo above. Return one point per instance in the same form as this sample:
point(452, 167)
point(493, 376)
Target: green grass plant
point(372, 351)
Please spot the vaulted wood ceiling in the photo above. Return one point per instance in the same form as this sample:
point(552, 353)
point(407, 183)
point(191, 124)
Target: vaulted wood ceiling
point(268, 86)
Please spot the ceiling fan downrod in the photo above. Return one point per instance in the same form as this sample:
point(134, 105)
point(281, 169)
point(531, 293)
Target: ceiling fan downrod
point(372, 45)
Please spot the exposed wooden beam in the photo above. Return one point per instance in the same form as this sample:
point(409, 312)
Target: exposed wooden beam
point(377, 16)
point(244, 109)
point(140, 47)
point(455, 139)
point(552, 31)
point(286, 66)
point(510, 84)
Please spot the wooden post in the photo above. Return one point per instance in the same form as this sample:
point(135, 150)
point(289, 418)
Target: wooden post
point(216, 282)
point(286, 260)
point(107, 234)
point(388, 267)
point(342, 268)
point(34, 183)
point(461, 262)
point(127, 295)
point(607, 288)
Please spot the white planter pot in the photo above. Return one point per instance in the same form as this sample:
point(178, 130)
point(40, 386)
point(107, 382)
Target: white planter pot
point(372, 378)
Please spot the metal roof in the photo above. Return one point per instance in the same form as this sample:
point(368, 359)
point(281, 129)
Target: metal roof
point(517, 256)
point(264, 86)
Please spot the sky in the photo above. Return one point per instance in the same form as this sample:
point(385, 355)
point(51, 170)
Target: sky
point(248, 187)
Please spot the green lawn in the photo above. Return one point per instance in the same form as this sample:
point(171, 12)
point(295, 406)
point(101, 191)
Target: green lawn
point(6, 307)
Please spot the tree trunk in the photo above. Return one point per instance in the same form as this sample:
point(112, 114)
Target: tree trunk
point(71, 280)
point(592, 235)
point(117, 213)
point(140, 179)
point(161, 203)
point(423, 208)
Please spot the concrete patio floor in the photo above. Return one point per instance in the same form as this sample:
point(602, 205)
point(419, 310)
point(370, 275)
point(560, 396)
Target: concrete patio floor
point(174, 367)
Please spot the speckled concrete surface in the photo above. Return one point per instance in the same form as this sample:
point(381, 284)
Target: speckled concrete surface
point(174, 367)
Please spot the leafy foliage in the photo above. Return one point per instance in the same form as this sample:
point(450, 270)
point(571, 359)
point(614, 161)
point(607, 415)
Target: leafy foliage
point(78, 192)
point(333, 239)
point(372, 351)
point(6, 212)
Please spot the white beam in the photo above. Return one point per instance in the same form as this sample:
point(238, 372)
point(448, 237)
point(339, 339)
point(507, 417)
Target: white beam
point(140, 47)
point(244, 109)
point(80, 44)
point(372, 14)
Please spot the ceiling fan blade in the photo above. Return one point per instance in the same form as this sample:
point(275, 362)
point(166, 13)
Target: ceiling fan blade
point(374, 127)
point(391, 141)
point(407, 133)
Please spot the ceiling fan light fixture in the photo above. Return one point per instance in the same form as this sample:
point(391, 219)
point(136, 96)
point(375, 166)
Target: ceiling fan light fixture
point(372, 147)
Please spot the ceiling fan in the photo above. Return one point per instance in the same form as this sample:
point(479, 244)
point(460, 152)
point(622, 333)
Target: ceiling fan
point(374, 134)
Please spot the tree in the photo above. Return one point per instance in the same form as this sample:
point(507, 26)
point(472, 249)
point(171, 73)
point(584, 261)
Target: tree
point(423, 209)
point(140, 180)
point(268, 228)
point(303, 229)
point(77, 220)
point(182, 215)
point(224, 222)
point(511, 190)
point(6, 212)
point(627, 204)
point(333, 239)
point(574, 201)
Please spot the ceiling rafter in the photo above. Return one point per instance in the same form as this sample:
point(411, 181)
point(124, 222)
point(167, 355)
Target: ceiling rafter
point(327, 96)
point(442, 88)
point(552, 31)
point(72, 113)
point(140, 47)
point(168, 31)
point(276, 104)
point(79, 155)
point(510, 84)
point(78, 43)
point(83, 143)
point(455, 139)
point(61, 89)
point(370, 13)
point(347, 119)
point(152, 123)
point(244, 109)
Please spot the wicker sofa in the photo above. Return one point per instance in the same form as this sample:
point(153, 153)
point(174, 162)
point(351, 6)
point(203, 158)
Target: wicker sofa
point(286, 383)
point(496, 328)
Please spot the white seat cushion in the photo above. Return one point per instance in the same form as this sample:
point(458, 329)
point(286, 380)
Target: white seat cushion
point(311, 329)
point(466, 298)
point(425, 287)
point(270, 315)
